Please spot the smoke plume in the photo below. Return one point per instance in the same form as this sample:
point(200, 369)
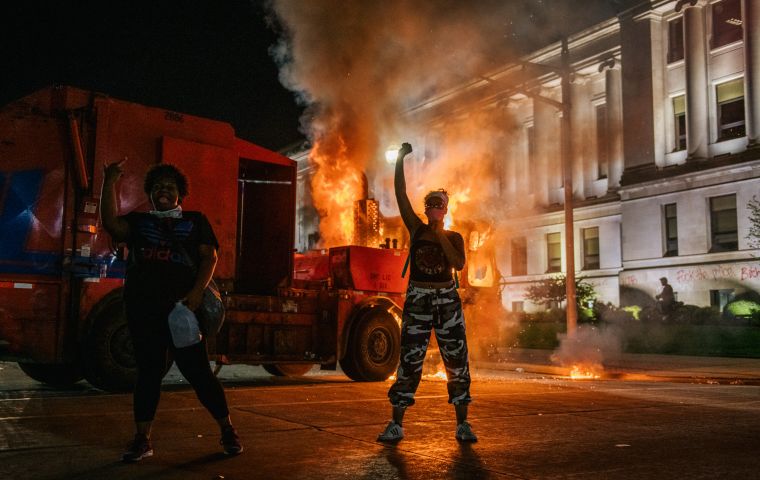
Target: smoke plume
point(360, 66)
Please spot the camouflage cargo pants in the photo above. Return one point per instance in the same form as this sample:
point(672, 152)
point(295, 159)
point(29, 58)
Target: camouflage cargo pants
point(427, 309)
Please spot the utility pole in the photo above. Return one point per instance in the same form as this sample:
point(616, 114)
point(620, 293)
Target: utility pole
point(571, 313)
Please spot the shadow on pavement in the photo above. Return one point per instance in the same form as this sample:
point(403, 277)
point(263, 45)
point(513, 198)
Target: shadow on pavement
point(467, 465)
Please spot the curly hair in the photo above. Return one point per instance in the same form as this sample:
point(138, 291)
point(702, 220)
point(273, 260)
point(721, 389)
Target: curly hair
point(167, 170)
point(433, 193)
point(441, 193)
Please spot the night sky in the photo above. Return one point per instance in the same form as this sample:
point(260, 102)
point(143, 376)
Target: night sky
point(202, 57)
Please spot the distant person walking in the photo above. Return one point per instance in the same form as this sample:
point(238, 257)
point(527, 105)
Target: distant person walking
point(432, 303)
point(172, 255)
point(666, 299)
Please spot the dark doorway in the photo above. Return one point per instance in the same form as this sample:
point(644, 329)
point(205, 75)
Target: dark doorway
point(266, 223)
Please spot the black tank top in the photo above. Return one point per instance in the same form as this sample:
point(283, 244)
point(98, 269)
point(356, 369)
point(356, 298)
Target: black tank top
point(428, 262)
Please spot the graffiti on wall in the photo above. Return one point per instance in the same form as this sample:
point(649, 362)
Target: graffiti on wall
point(628, 280)
point(718, 272)
point(750, 272)
point(689, 277)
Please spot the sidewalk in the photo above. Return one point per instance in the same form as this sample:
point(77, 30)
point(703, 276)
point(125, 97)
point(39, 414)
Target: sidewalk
point(635, 366)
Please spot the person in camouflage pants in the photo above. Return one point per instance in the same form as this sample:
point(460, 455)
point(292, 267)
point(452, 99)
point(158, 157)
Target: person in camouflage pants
point(427, 309)
point(432, 303)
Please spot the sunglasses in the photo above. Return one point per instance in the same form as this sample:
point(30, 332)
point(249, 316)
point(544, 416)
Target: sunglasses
point(434, 204)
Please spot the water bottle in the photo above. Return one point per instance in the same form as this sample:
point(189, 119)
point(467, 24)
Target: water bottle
point(183, 326)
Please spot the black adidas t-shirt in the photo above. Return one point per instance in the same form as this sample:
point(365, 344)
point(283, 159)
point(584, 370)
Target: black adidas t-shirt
point(156, 267)
point(428, 262)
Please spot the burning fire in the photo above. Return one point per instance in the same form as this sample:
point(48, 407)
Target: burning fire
point(584, 372)
point(478, 239)
point(336, 185)
point(455, 200)
point(439, 375)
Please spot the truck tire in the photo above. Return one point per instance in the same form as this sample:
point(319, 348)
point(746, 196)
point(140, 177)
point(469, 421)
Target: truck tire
point(373, 347)
point(288, 369)
point(58, 375)
point(109, 362)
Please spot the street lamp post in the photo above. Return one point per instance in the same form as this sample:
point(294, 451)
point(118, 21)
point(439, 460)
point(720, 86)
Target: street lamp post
point(566, 107)
point(571, 313)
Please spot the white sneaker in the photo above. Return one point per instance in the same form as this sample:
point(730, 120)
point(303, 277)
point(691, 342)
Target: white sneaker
point(464, 433)
point(393, 433)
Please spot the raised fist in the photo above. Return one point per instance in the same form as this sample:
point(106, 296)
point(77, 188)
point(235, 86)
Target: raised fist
point(405, 149)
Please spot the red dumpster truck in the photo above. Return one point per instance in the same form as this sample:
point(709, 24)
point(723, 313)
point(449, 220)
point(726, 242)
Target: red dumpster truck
point(61, 275)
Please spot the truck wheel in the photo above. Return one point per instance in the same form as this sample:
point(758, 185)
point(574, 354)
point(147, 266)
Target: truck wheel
point(109, 362)
point(288, 369)
point(373, 347)
point(58, 375)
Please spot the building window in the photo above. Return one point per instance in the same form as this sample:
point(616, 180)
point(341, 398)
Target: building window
point(720, 298)
point(518, 306)
point(554, 252)
point(670, 212)
point(679, 122)
point(519, 253)
point(591, 248)
point(726, 22)
point(675, 40)
point(602, 151)
point(730, 96)
point(723, 231)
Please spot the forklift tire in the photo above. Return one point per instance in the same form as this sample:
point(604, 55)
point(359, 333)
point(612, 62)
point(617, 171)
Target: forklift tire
point(288, 369)
point(373, 347)
point(57, 375)
point(108, 355)
point(109, 362)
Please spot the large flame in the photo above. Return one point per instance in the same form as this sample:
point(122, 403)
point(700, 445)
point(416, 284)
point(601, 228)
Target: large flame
point(336, 185)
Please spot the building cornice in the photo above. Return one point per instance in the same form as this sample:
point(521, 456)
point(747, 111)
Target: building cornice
point(643, 181)
point(548, 56)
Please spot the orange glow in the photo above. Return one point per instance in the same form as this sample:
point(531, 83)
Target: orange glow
point(456, 200)
point(585, 372)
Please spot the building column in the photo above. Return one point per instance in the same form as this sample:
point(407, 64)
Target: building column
point(583, 161)
point(695, 63)
point(613, 93)
point(751, 12)
point(513, 152)
point(546, 133)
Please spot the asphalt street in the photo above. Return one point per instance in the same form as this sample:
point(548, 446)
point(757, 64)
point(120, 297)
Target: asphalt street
point(324, 427)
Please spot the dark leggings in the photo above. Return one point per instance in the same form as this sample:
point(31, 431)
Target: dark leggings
point(152, 341)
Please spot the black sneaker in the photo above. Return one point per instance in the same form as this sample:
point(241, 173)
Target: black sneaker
point(137, 450)
point(231, 441)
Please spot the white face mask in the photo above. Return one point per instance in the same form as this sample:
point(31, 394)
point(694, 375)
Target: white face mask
point(173, 213)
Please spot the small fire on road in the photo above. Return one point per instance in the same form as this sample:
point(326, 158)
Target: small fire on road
point(440, 374)
point(584, 372)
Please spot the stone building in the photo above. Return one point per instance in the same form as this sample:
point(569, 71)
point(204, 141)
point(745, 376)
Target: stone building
point(665, 124)
point(664, 146)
